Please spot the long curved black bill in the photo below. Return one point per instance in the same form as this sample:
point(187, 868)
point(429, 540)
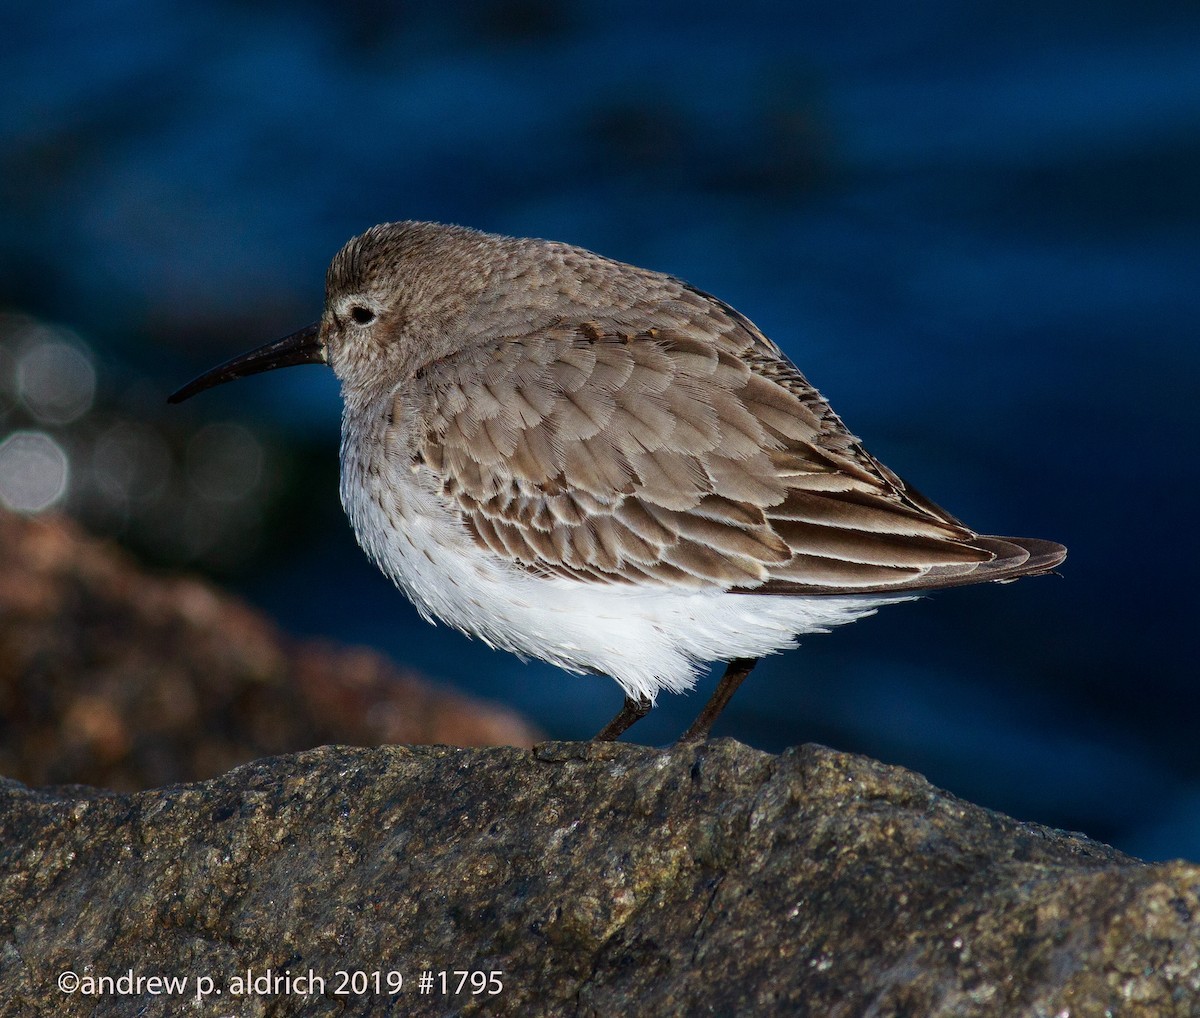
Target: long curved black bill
point(303, 347)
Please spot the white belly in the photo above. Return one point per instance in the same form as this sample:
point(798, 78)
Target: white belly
point(647, 639)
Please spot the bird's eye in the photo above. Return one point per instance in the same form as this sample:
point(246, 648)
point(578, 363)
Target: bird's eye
point(362, 315)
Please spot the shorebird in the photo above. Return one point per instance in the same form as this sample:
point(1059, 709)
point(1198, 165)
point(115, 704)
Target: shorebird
point(600, 466)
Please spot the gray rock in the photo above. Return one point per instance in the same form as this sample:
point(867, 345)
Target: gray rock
point(599, 880)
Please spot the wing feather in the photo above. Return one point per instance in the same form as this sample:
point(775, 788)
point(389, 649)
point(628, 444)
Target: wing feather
point(688, 453)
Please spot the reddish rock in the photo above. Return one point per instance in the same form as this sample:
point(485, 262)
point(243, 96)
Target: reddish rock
point(117, 677)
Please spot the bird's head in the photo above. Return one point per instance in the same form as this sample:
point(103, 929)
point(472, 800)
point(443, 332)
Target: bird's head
point(396, 297)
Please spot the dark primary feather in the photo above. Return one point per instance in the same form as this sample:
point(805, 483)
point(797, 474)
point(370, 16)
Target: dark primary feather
point(689, 453)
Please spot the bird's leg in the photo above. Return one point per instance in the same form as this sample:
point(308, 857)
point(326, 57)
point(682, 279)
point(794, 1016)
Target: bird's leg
point(737, 670)
point(632, 712)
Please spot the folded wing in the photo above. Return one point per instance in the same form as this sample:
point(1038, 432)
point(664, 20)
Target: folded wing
point(689, 454)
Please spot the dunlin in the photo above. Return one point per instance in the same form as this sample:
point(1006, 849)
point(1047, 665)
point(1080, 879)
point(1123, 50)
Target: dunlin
point(603, 467)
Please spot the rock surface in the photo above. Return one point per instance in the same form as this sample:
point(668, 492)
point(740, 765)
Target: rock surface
point(599, 880)
point(111, 675)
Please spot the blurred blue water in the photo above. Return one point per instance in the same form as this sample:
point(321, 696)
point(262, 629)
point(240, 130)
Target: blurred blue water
point(973, 226)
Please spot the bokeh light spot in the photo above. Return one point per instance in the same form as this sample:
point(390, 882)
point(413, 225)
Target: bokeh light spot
point(224, 462)
point(57, 381)
point(34, 471)
point(131, 463)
